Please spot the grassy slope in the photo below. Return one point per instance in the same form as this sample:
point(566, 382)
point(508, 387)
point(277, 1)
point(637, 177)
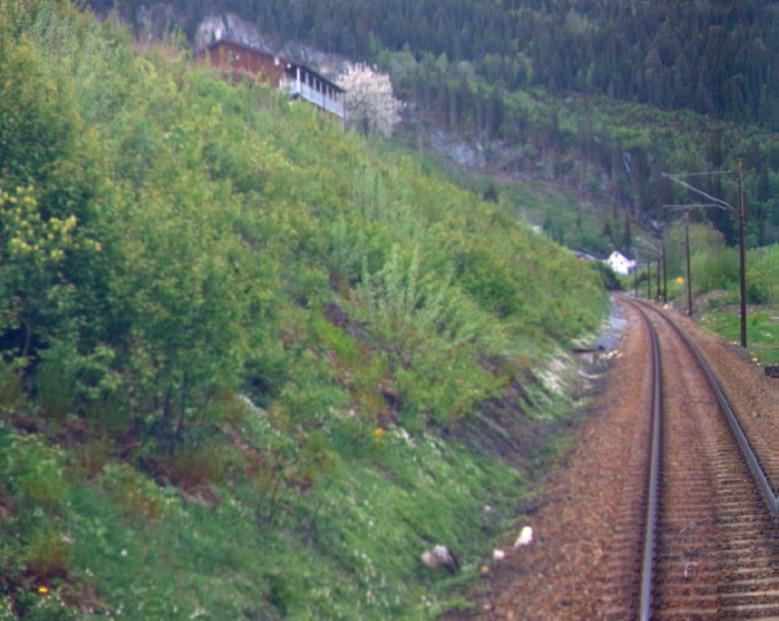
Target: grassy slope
point(318, 503)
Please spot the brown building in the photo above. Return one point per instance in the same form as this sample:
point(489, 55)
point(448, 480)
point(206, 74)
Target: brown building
point(236, 59)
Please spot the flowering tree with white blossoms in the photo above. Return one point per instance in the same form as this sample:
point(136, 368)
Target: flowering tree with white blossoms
point(371, 105)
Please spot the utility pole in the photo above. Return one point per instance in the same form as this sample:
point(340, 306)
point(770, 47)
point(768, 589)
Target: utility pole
point(686, 209)
point(741, 220)
point(742, 255)
point(687, 259)
point(665, 272)
point(649, 278)
point(635, 276)
point(654, 257)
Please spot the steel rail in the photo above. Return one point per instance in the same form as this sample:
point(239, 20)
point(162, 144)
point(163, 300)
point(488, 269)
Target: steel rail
point(650, 519)
point(745, 447)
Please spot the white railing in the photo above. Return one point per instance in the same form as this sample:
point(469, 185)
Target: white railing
point(304, 91)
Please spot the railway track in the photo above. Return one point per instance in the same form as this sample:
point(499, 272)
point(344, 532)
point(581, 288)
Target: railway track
point(698, 532)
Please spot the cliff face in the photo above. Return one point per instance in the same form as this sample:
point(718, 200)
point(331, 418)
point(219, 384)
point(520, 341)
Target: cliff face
point(228, 26)
point(154, 19)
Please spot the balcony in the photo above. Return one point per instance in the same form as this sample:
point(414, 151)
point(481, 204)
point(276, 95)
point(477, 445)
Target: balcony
point(334, 105)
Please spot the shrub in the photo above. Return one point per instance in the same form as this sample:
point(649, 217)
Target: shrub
point(763, 275)
point(90, 457)
point(608, 277)
point(11, 393)
point(48, 555)
point(714, 269)
point(194, 466)
point(6, 609)
point(432, 333)
point(43, 607)
point(703, 239)
point(31, 471)
point(55, 391)
point(134, 493)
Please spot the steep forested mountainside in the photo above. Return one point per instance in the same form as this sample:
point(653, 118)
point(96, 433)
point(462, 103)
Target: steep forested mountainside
point(711, 56)
point(601, 97)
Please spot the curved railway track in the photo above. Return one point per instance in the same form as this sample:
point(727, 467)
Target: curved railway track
point(698, 534)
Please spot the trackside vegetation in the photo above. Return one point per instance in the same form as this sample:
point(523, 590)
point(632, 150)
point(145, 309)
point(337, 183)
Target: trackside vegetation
point(715, 286)
point(242, 349)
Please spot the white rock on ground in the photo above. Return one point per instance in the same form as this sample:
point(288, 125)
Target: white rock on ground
point(525, 537)
point(440, 556)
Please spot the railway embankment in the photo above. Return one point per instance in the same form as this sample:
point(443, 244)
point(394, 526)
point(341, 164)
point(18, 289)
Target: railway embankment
point(715, 537)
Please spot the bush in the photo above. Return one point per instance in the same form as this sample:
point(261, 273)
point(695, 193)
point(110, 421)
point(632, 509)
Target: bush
point(31, 471)
point(763, 275)
point(55, 391)
point(44, 607)
point(134, 493)
point(48, 555)
point(89, 458)
point(194, 466)
point(608, 277)
point(714, 269)
point(11, 392)
point(703, 239)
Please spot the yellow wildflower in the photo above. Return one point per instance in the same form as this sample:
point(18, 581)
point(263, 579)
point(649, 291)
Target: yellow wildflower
point(43, 589)
point(379, 433)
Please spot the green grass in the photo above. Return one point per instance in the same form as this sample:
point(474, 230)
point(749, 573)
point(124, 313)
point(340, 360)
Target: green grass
point(720, 314)
point(762, 329)
point(349, 549)
point(716, 294)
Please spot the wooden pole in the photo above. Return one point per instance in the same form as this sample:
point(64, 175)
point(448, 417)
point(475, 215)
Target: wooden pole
point(635, 276)
point(649, 279)
point(687, 258)
point(742, 254)
point(665, 274)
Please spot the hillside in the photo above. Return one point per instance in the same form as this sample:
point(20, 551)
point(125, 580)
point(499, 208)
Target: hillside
point(598, 97)
point(710, 57)
point(252, 365)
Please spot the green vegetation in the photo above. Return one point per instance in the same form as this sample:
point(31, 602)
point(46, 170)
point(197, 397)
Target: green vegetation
point(762, 327)
point(600, 97)
point(715, 287)
point(566, 219)
point(721, 312)
point(708, 56)
point(242, 350)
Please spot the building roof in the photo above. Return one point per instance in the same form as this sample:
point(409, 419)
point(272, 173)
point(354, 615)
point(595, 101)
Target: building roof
point(289, 65)
point(586, 256)
point(625, 255)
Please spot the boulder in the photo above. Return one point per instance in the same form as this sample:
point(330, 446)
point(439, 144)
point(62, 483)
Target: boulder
point(441, 557)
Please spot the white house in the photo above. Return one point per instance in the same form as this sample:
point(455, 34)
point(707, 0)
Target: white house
point(620, 263)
